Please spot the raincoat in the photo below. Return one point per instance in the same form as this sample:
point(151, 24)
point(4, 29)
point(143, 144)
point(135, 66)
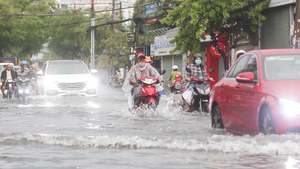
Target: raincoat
point(136, 73)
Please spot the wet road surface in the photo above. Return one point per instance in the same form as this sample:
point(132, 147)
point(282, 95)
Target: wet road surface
point(100, 132)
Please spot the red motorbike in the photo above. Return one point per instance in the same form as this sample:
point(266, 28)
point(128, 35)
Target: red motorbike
point(150, 94)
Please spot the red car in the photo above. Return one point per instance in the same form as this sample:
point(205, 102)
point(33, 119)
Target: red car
point(259, 94)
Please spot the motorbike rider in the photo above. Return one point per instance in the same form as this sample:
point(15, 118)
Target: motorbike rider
point(237, 56)
point(239, 53)
point(7, 74)
point(173, 76)
point(177, 83)
point(117, 76)
point(23, 72)
point(32, 73)
point(130, 87)
point(197, 70)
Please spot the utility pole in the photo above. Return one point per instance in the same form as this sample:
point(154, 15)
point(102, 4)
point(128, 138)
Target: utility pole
point(120, 9)
point(92, 37)
point(113, 16)
point(297, 24)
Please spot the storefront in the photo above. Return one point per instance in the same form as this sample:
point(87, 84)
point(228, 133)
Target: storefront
point(162, 51)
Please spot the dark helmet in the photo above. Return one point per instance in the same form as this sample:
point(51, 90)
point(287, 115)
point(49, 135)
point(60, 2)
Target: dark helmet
point(197, 55)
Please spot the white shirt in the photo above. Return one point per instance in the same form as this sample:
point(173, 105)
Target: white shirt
point(8, 75)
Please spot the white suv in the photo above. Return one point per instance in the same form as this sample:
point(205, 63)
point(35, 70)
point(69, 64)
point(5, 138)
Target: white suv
point(67, 77)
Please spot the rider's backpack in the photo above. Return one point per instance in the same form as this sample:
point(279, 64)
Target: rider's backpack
point(178, 84)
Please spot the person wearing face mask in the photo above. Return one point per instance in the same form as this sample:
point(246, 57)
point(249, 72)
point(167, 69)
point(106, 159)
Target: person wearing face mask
point(141, 69)
point(197, 70)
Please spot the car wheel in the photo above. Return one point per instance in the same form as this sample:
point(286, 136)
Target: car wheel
point(217, 121)
point(266, 122)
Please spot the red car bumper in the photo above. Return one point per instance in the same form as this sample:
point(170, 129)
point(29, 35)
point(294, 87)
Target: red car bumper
point(285, 123)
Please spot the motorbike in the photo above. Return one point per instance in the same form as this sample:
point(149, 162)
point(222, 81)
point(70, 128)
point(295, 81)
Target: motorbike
point(200, 89)
point(9, 89)
point(150, 91)
point(177, 98)
point(150, 95)
point(112, 83)
point(23, 88)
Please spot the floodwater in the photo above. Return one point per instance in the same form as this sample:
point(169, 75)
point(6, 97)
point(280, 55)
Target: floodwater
point(81, 132)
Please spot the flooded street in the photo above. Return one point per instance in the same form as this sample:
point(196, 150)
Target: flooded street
point(100, 132)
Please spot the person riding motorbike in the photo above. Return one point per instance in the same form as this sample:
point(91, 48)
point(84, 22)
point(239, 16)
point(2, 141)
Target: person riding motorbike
point(177, 83)
point(116, 76)
point(237, 56)
point(131, 88)
point(197, 70)
point(23, 72)
point(172, 76)
point(7, 74)
point(32, 76)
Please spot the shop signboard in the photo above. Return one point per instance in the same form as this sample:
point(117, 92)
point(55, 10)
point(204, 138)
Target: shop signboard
point(163, 45)
point(275, 3)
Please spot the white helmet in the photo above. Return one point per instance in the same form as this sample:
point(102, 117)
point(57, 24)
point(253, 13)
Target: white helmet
point(175, 67)
point(239, 53)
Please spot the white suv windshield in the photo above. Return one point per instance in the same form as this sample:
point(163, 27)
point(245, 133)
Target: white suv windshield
point(282, 67)
point(66, 67)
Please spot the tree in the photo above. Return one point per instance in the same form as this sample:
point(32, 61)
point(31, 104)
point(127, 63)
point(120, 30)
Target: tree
point(23, 36)
point(213, 17)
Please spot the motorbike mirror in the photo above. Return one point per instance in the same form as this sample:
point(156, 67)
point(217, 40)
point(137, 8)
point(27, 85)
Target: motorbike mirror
point(163, 72)
point(94, 71)
point(188, 70)
point(211, 70)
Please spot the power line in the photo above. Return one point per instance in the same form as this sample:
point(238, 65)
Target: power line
point(69, 23)
point(75, 13)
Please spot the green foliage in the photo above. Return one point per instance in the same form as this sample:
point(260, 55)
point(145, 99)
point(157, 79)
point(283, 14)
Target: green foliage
point(196, 17)
point(22, 36)
point(73, 41)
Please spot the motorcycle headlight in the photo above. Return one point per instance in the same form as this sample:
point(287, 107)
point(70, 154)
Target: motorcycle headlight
point(289, 107)
point(207, 91)
point(200, 91)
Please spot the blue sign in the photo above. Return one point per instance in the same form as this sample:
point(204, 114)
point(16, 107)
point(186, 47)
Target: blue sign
point(164, 43)
point(151, 9)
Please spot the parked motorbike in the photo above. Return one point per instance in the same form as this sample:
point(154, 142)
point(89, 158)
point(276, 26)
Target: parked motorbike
point(9, 89)
point(201, 92)
point(23, 88)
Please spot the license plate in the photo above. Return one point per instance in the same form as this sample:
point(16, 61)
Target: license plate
point(72, 92)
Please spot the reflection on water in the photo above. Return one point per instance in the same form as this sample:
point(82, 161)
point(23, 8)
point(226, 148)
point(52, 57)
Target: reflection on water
point(100, 132)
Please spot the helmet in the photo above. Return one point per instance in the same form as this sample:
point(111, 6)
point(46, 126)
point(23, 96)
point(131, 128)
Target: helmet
point(141, 57)
point(239, 53)
point(197, 55)
point(175, 67)
point(23, 63)
point(178, 76)
point(148, 59)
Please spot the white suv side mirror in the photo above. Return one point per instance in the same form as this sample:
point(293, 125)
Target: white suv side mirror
point(94, 71)
point(40, 73)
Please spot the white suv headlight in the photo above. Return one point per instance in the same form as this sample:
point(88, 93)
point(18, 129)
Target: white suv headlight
point(290, 107)
point(92, 82)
